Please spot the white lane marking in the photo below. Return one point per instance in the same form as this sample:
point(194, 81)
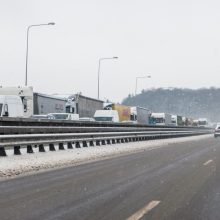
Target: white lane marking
point(207, 162)
point(140, 213)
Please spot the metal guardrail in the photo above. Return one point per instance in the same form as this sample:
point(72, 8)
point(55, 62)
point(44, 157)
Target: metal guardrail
point(29, 141)
point(9, 121)
point(83, 129)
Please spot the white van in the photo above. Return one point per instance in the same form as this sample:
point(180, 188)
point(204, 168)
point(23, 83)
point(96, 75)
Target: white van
point(11, 106)
point(203, 122)
point(106, 115)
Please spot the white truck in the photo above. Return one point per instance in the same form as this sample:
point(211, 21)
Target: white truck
point(140, 115)
point(11, 106)
point(203, 122)
point(160, 119)
point(106, 115)
point(34, 103)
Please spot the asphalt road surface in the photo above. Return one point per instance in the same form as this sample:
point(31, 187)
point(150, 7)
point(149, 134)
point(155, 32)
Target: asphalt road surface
point(175, 182)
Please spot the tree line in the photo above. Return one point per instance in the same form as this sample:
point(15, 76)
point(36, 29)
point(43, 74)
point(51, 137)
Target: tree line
point(196, 103)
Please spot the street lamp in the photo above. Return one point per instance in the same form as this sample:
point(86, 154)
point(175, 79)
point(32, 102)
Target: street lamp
point(140, 77)
point(34, 25)
point(104, 58)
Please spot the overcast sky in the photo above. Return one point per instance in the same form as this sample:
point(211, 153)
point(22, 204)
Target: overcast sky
point(177, 42)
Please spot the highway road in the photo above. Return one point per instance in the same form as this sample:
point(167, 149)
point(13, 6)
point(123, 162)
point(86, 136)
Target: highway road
point(175, 182)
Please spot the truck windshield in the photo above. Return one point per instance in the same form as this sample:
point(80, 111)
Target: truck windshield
point(69, 109)
point(1, 109)
point(202, 122)
point(103, 118)
point(159, 120)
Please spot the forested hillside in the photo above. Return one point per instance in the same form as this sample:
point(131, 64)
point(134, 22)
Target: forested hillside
point(188, 102)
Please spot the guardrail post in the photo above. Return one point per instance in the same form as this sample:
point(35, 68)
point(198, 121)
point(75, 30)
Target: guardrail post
point(103, 142)
point(17, 150)
point(97, 142)
point(51, 147)
point(85, 144)
point(69, 145)
point(122, 140)
point(118, 141)
point(2, 152)
point(108, 141)
point(91, 143)
point(61, 147)
point(77, 144)
point(41, 148)
point(30, 149)
point(113, 141)
point(126, 140)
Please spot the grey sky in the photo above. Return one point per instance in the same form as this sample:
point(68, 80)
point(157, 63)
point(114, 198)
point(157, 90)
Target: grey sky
point(176, 41)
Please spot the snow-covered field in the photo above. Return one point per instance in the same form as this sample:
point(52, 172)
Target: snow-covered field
point(12, 165)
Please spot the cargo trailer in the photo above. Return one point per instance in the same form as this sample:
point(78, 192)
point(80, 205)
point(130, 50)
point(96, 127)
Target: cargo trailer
point(82, 105)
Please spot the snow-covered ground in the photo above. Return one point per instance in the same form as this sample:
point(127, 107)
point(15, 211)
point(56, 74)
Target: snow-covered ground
point(12, 165)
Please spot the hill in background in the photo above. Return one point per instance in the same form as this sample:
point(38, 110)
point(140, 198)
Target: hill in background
point(199, 103)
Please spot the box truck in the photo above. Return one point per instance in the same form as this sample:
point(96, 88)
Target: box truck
point(124, 111)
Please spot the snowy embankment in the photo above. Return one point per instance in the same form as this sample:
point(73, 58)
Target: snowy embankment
point(12, 165)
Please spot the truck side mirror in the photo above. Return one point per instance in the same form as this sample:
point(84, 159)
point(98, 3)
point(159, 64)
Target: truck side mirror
point(6, 114)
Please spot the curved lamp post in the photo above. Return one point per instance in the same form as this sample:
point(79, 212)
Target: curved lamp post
point(104, 58)
point(140, 77)
point(28, 29)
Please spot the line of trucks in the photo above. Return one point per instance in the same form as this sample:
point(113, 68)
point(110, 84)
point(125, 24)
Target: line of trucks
point(23, 102)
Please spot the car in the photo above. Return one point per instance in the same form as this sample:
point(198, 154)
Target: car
point(86, 119)
point(217, 131)
point(42, 117)
point(64, 116)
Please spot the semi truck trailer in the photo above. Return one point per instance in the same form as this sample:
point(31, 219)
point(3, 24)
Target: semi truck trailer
point(82, 105)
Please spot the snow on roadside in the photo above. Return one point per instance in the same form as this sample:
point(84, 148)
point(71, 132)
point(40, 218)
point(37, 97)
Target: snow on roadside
point(12, 165)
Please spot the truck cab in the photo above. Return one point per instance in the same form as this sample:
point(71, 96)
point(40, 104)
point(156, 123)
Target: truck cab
point(106, 115)
point(160, 119)
point(11, 106)
point(203, 122)
point(174, 120)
